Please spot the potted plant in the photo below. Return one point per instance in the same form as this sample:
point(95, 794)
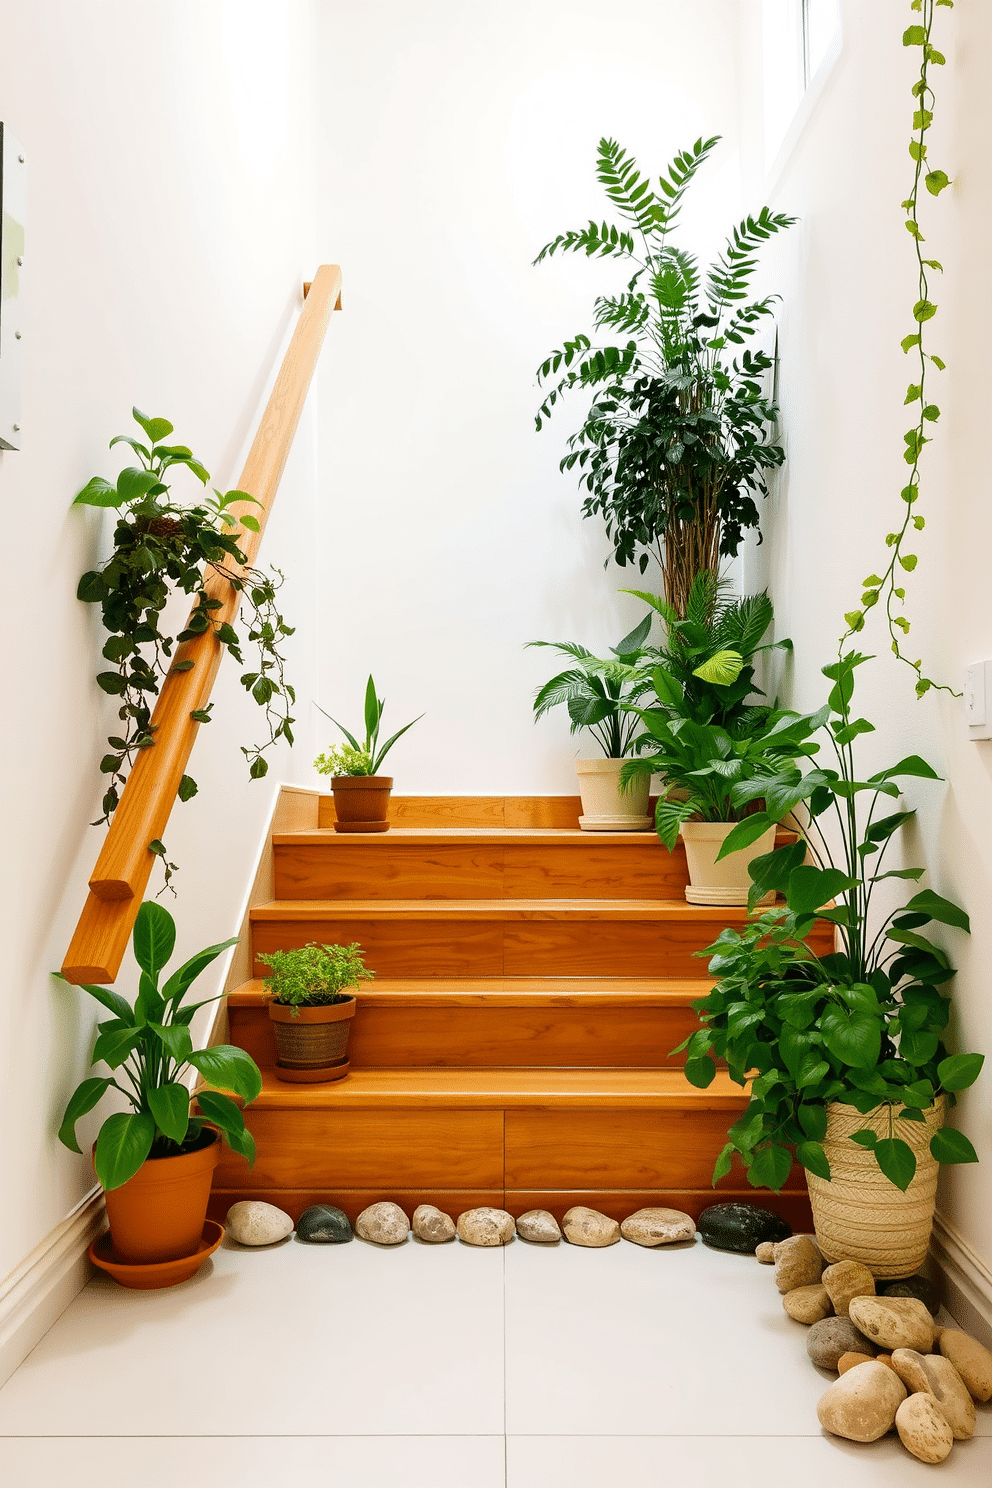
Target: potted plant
point(311, 1009)
point(844, 1053)
point(596, 693)
point(155, 1161)
point(678, 438)
point(732, 790)
point(361, 794)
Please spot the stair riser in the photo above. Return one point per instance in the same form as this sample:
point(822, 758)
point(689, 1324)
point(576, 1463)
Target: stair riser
point(395, 870)
point(481, 948)
point(402, 1037)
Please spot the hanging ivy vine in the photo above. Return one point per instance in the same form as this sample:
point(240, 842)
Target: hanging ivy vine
point(161, 546)
point(888, 587)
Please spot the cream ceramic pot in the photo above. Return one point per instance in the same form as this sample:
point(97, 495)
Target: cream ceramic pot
point(726, 882)
point(604, 807)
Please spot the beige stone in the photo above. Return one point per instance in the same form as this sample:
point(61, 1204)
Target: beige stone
point(539, 1226)
point(952, 1396)
point(893, 1322)
point(588, 1227)
point(908, 1365)
point(971, 1359)
point(766, 1252)
point(253, 1222)
point(486, 1226)
point(923, 1430)
point(845, 1280)
point(798, 1263)
point(862, 1405)
point(433, 1225)
point(807, 1304)
point(383, 1224)
point(658, 1227)
point(851, 1361)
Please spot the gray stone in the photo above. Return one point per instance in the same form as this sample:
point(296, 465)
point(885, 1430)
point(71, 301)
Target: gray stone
point(922, 1429)
point(913, 1286)
point(432, 1225)
point(383, 1224)
point(894, 1322)
point(862, 1405)
point(828, 1340)
point(658, 1227)
point(971, 1359)
point(588, 1227)
point(539, 1227)
point(798, 1263)
point(740, 1227)
point(323, 1224)
point(252, 1222)
point(485, 1226)
point(845, 1280)
point(766, 1252)
point(807, 1304)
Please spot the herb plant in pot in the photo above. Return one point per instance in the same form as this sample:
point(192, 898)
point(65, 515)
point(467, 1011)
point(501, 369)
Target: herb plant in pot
point(311, 1009)
point(361, 794)
point(156, 1161)
point(596, 693)
point(843, 1054)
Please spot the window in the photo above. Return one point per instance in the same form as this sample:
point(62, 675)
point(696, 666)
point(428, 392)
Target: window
point(797, 37)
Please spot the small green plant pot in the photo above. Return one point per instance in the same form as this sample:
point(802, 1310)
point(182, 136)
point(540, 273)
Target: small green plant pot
point(312, 1042)
point(361, 802)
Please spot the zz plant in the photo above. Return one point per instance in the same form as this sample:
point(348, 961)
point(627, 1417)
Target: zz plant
point(147, 1047)
point(864, 1025)
point(160, 546)
point(676, 442)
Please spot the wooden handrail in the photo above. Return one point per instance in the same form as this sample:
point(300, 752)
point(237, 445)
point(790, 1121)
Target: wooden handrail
point(125, 862)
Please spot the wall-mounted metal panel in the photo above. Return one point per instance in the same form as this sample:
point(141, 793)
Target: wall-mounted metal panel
point(13, 203)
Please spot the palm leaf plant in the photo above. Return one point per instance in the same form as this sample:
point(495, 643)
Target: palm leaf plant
point(676, 442)
point(596, 691)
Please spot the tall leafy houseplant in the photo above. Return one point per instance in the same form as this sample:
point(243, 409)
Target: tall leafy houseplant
point(595, 691)
point(677, 440)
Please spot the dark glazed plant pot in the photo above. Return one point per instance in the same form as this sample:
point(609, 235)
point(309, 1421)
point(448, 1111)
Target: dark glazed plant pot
point(312, 1042)
point(159, 1214)
point(361, 802)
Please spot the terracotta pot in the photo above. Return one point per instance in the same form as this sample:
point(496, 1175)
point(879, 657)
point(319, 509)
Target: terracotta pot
point(726, 882)
point(312, 1042)
point(361, 802)
point(859, 1215)
point(159, 1214)
point(605, 808)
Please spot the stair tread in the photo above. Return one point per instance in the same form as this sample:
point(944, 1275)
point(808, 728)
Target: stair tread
point(482, 1088)
point(512, 992)
point(660, 910)
point(474, 836)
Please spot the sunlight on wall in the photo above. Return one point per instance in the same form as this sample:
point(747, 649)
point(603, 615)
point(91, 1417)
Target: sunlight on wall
point(797, 36)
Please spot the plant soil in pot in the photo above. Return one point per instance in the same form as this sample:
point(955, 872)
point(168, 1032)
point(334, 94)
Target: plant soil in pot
point(605, 808)
point(727, 881)
point(312, 1042)
point(361, 802)
point(159, 1214)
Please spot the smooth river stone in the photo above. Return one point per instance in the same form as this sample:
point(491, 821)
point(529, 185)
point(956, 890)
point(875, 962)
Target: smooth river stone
point(971, 1359)
point(862, 1405)
point(383, 1224)
point(658, 1227)
point(588, 1227)
point(740, 1227)
point(798, 1263)
point(922, 1429)
point(252, 1222)
point(894, 1322)
point(913, 1286)
point(539, 1226)
point(807, 1304)
point(828, 1341)
point(432, 1225)
point(766, 1252)
point(851, 1361)
point(844, 1281)
point(932, 1374)
point(485, 1226)
point(323, 1224)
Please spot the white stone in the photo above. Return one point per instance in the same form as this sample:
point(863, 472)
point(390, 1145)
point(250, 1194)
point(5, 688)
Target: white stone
point(432, 1225)
point(486, 1226)
point(383, 1223)
point(588, 1227)
point(539, 1226)
point(658, 1227)
point(252, 1222)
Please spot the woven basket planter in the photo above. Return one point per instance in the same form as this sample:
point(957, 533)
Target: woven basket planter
point(859, 1215)
point(312, 1042)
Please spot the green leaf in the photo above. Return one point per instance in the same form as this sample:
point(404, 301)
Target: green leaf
point(812, 1157)
point(175, 1037)
point(668, 689)
point(187, 788)
point(924, 310)
point(83, 1099)
point(853, 1038)
point(813, 1120)
point(223, 1113)
point(112, 682)
point(154, 937)
point(182, 979)
point(98, 492)
point(911, 765)
point(114, 1044)
point(865, 1138)
point(107, 997)
point(770, 1166)
point(156, 428)
point(908, 342)
point(700, 1071)
point(914, 36)
point(918, 1046)
point(724, 1163)
point(745, 832)
point(958, 1071)
point(950, 1146)
point(722, 668)
point(809, 888)
point(124, 1143)
point(169, 1104)
point(133, 483)
point(928, 903)
point(896, 1160)
point(229, 1068)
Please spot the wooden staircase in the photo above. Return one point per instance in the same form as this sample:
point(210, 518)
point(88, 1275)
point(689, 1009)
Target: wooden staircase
point(514, 1047)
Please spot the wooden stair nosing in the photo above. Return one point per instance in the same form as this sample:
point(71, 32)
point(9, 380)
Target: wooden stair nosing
point(510, 992)
point(661, 911)
point(468, 837)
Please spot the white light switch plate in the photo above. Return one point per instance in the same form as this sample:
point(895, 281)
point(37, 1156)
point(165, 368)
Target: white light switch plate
point(978, 700)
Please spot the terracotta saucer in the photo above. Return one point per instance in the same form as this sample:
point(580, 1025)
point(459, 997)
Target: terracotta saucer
point(160, 1273)
point(320, 1076)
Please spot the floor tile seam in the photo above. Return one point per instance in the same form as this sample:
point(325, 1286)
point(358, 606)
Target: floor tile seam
point(490, 1436)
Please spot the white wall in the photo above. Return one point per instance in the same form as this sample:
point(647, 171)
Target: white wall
point(169, 230)
point(456, 140)
point(848, 283)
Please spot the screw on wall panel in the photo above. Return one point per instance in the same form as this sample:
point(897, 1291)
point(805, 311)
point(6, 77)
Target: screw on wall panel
point(17, 335)
point(20, 260)
point(21, 159)
point(16, 428)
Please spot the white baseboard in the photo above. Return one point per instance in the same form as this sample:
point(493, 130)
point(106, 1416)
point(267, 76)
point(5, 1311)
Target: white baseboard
point(967, 1279)
point(44, 1284)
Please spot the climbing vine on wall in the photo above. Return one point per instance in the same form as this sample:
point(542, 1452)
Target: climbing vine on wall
point(887, 587)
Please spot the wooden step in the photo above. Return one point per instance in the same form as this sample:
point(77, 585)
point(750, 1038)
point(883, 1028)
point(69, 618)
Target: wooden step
point(509, 937)
point(499, 1021)
point(472, 811)
point(478, 863)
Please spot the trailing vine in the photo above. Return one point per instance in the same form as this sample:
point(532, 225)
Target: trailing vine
point(887, 585)
point(160, 546)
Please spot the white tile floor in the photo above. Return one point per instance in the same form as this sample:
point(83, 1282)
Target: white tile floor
point(448, 1367)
